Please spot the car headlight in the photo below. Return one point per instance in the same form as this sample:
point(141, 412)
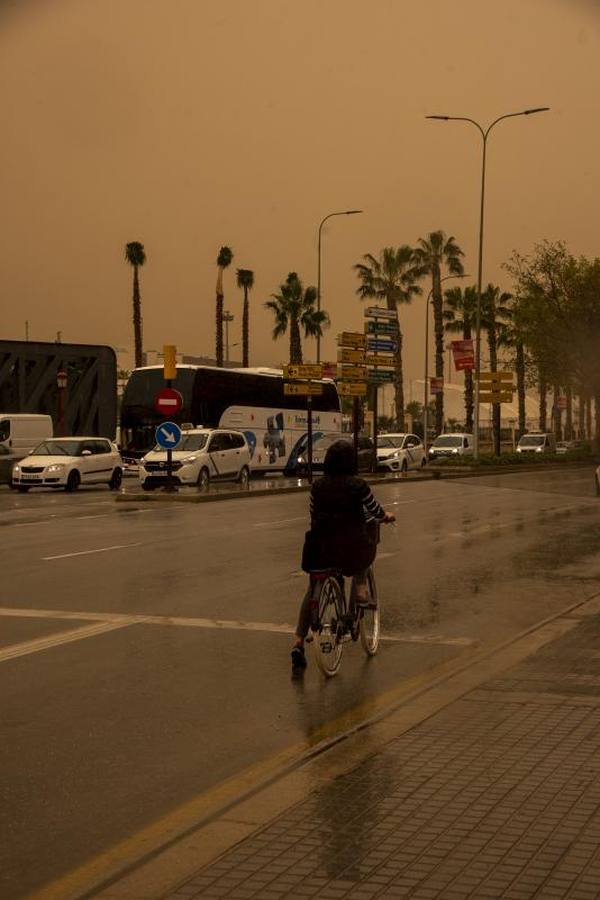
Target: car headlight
point(538, 449)
point(300, 459)
point(187, 460)
point(455, 450)
point(396, 454)
point(57, 467)
point(16, 468)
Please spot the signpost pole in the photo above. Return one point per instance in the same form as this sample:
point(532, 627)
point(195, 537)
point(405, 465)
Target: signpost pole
point(169, 372)
point(309, 436)
point(355, 427)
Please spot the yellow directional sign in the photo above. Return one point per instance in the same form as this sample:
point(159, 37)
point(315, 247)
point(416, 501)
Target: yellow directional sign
point(352, 389)
point(376, 359)
point(170, 362)
point(352, 339)
point(495, 396)
point(351, 356)
point(352, 373)
point(303, 388)
point(310, 370)
point(495, 376)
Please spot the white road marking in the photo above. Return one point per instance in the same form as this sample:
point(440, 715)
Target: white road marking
point(88, 552)
point(108, 621)
point(62, 637)
point(102, 516)
point(280, 522)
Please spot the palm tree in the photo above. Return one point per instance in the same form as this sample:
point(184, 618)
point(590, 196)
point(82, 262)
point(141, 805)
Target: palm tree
point(294, 308)
point(390, 278)
point(431, 254)
point(245, 281)
point(460, 314)
point(495, 311)
point(223, 260)
point(136, 257)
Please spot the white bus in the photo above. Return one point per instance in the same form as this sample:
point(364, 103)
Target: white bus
point(248, 400)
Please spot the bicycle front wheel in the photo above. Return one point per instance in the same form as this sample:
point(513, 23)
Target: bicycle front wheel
point(327, 640)
point(369, 622)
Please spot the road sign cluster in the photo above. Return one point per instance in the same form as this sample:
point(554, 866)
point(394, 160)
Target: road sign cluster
point(381, 327)
point(352, 371)
point(495, 387)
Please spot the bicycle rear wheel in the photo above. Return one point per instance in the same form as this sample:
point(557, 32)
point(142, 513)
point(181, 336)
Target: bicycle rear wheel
point(327, 640)
point(369, 622)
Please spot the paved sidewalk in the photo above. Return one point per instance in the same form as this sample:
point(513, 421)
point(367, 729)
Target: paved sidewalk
point(496, 796)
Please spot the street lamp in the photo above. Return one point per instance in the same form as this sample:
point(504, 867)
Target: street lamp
point(61, 383)
point(346, 212)
point(484, 135)
point(426, 378)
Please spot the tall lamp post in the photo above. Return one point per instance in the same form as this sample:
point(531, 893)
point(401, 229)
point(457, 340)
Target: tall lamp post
point(61, 383)
point(484, 135)
point(426, 376)
point(346, 212)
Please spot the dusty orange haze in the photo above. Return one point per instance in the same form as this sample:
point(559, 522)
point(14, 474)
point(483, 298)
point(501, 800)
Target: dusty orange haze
point(189, 124)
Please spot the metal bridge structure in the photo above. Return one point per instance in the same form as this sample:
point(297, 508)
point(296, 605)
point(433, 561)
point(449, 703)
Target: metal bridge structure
point(29, 384)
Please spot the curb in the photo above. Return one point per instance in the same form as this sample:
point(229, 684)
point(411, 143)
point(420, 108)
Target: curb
point(429, 474)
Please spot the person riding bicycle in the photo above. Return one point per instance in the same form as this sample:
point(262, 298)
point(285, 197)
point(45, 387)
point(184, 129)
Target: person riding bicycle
point(340, 505)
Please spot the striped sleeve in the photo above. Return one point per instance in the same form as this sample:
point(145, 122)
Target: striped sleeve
point(373, 508)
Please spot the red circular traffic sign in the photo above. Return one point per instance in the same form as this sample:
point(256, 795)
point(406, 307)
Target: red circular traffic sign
point(168, 400)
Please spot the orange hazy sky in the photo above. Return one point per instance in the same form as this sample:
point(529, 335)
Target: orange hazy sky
point(189, 124)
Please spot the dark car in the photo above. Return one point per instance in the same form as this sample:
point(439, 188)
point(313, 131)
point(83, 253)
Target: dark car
point(298, 464)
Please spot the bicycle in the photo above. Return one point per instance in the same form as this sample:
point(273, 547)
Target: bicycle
point(334, 620)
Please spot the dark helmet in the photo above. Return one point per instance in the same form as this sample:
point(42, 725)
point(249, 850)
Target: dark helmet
point(339, 459)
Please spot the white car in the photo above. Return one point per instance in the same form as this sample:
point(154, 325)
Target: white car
point(68, 462)
point(456, 444)
point(203, 455)
point(400, 452)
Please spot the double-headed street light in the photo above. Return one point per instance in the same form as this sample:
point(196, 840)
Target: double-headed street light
point(346, 212)
point(484, 134)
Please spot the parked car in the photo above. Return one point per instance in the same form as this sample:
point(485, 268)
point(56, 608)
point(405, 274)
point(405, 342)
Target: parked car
point(567, 446)
point(451, 445)
point(19, 434)
point(400, 452)
point(537, 442)
point(203, 455)
point(68, 462)
point(297, 465)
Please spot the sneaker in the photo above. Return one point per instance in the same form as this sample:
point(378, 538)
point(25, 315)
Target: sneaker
point(298, 657)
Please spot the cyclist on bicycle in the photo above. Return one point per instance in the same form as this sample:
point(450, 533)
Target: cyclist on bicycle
point(340, 504)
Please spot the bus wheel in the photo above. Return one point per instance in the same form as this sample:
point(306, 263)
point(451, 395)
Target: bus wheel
point(203, 482)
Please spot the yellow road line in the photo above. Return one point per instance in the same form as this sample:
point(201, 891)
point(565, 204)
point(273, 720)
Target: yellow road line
point(61, 637)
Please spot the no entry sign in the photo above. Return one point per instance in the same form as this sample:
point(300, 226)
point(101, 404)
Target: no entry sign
point(168, 400)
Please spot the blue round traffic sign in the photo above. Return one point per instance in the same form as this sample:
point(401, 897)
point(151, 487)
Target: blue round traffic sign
point(168, 435)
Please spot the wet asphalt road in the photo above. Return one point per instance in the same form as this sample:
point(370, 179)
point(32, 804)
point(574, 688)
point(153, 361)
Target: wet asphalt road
point(102, 734)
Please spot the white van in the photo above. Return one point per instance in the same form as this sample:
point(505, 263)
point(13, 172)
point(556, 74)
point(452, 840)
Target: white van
point(19, 434)
point(537, 442)
point(452, 445)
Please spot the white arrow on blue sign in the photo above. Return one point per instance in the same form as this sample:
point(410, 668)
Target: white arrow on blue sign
point(380, 344)
point(168, 435)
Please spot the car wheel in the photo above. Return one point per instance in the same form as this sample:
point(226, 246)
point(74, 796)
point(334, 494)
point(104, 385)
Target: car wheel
point(404, 467)
point(22, 489)
point(203, 482)
point(244, 476)
point(116, 480)
point(73, 481)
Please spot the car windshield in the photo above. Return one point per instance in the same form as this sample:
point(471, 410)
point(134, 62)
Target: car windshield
point(448, 440)
point(188, 442)
point(532, 440)
point(57, 448)
point(386, 441)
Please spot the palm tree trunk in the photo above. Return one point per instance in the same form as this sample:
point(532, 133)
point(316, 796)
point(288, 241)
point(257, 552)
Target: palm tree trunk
point(520, 367)
point(556, 412)
point(438, 321)
point(581, 416)
point(245, 329)
point(597, 416)
point(137, 319)
point(569, 414)
point(496, 421)
point(295, 343)
point(219, 319)
point(543, 388)
point(399, 386)
point(468, 386)
point(588, 417)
